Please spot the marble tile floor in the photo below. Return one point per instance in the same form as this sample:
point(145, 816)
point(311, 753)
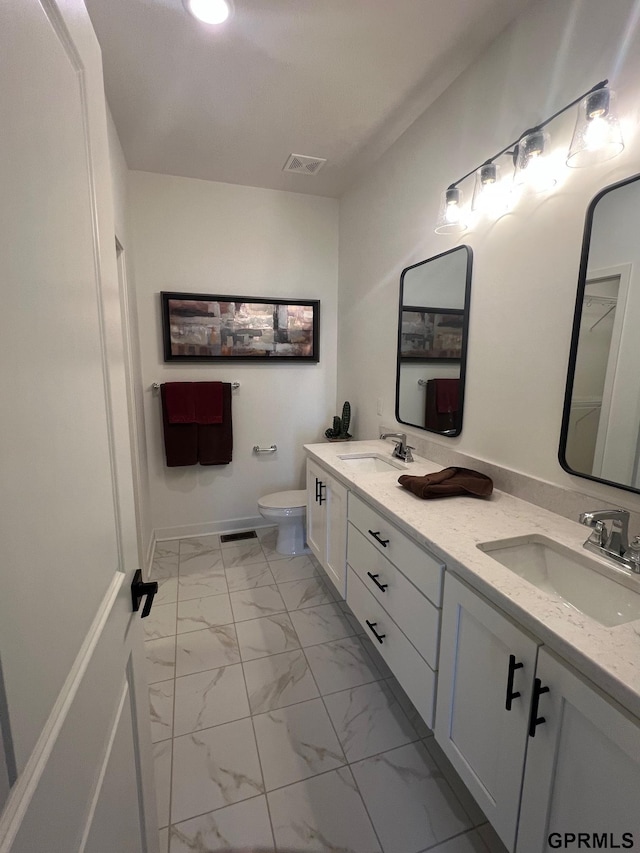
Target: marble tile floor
point(276, 724)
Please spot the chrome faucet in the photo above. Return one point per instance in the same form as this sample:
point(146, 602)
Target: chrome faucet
point(402, 450)
point(614, 542)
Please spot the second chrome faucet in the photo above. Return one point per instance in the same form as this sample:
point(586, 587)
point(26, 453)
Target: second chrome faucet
point(612, 542)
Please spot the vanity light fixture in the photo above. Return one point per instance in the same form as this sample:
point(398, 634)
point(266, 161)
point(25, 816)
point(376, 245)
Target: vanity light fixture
point(596, 138)
point(210, 11)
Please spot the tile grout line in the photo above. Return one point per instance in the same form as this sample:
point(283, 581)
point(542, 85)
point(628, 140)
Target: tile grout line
point(255, 740)
point(434, 847)
point(264, 784)
point(348, 764)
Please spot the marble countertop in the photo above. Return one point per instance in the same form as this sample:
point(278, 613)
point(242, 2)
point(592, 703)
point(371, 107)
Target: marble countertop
point(452, 527)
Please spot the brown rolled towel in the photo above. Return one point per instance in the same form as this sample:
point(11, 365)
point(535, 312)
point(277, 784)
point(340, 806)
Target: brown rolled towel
point(447, 483)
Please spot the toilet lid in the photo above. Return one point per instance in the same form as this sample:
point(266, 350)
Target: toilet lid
point(284, 500)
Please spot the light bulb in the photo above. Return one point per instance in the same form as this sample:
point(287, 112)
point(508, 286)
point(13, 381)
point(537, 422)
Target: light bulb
point(450, 215)
point(533, 166)
point(209, 11)
point(597, 136)
point(491, 192)
point(596, 133)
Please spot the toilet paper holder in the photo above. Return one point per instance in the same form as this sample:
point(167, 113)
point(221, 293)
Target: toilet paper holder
point(258, 449)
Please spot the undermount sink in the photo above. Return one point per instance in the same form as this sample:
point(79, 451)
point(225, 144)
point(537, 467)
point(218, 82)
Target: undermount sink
point(370, 463)
point(581, 582)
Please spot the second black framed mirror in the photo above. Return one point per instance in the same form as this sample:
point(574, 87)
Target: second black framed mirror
point(433, 322)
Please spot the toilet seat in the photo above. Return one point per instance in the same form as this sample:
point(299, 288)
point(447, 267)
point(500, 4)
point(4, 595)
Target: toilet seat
point(290, 503)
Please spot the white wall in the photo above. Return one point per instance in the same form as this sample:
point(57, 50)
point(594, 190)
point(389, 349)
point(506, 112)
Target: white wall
point(525, 265)
point(207, 237)
point(119, 175)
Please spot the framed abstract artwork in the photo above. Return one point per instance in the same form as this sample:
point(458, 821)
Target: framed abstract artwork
point(210, 327)
point(431, 334)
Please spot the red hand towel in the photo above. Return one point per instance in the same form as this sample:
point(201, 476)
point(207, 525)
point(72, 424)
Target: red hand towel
point(208, 406)
point(215, 441)
point(180, 439)
point(447, 395)
point(180, 402)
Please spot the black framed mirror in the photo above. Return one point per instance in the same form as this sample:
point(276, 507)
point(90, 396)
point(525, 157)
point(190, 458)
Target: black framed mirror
point(600, 437)
point(433, 322)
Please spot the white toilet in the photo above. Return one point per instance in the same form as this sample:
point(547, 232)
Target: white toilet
point(288, 510)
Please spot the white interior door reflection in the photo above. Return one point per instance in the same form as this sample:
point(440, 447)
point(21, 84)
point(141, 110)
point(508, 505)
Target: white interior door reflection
point(601, 422)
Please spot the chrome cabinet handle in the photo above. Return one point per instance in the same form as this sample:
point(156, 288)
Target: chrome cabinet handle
point(271, 449)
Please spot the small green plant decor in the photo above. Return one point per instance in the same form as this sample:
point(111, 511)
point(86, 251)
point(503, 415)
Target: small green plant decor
point(340, 429)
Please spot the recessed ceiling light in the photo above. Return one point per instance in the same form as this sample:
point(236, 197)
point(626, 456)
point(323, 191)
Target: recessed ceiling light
point(210, 11)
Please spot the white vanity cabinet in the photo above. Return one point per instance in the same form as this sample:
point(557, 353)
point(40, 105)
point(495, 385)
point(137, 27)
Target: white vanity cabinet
point(327, 523)
point(484, 655)
point(580, 763)
point(582, 772)
point(394, 588)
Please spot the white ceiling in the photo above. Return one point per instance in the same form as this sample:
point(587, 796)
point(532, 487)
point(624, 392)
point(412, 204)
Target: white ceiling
point(338, 79)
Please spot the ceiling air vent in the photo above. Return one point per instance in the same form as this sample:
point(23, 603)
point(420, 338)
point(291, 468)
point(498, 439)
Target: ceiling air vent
point(303, 165)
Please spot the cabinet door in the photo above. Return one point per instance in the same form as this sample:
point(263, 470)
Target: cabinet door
point(316, 513)
point(336, 523)
point(486, 743)
point(583, 766)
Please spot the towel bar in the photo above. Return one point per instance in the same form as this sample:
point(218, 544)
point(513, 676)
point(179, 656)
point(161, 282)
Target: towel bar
point(156, 386)
point(258, 449)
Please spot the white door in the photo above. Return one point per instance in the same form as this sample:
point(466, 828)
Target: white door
point(583, 767)
point(73, 706)
point(487, 665)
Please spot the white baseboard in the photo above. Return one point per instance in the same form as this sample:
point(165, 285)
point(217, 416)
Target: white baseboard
point(233, 525)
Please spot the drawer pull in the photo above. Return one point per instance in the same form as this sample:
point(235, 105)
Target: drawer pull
point(374, 578)
point(376, 536)
point(511, 694)
point(372, 627)
point(534, 719)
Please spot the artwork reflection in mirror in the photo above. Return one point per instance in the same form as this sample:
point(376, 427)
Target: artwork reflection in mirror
point(432, 338)
point(600, 436)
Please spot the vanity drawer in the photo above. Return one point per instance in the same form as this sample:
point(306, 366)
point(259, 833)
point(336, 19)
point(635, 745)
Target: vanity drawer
point(421, 567)
point(416, 678)
point(419, 619)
